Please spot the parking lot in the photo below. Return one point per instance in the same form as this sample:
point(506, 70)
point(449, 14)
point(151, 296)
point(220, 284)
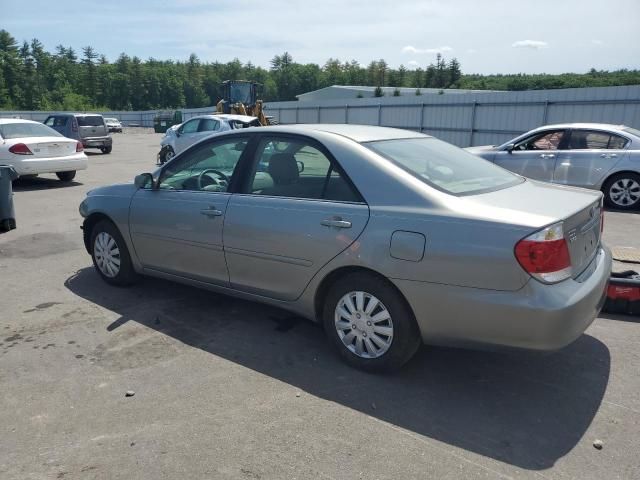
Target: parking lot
point(229, 389)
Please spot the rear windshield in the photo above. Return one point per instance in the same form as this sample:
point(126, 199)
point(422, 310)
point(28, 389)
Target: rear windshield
point(90, 121)
point(444, 166)
point(25, 130)
point(632, 131)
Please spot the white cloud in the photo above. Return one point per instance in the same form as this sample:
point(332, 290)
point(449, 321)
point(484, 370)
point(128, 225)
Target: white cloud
point(597, 42)
point(414, 50)
point(413, 63)
point(535, 44)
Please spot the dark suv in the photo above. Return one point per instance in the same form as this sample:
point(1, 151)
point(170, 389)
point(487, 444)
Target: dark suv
point(88, 128)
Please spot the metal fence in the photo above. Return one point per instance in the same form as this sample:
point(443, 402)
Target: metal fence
point(473, 118)
point(478, 118)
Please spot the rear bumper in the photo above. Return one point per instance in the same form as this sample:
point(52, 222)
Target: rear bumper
point(538, 316)
point(34, 166)
point(97, 142)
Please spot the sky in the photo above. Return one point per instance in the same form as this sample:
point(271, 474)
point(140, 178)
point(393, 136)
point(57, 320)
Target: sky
point(486, 36)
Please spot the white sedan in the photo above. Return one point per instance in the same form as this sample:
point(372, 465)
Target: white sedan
point(32, 148)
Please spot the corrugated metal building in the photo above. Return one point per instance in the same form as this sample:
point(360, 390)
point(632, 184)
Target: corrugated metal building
point(335, 92)
point(473, 118)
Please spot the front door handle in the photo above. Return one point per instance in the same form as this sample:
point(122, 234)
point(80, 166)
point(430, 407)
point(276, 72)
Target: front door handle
point(608, 155)
point(547, 155)
point(336, 222)
point(211, 212)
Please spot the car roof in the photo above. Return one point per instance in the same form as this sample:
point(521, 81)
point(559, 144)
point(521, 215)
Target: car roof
point(4, 121)
point(598, 126)
point(357, 133)
point(226, 116)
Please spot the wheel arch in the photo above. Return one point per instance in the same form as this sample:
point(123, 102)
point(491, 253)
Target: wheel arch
point(323, 287)
point(613, 174)
point(89, 223)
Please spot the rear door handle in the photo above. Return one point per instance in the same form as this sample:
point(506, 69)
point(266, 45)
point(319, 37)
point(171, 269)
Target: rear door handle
point(547, 155)
point(336, 222)
point(211, 212)
point(608, 155)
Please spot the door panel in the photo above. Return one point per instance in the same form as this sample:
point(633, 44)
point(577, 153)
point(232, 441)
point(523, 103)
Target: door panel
point(589, 158)
point(274, 246)
point(173, 232)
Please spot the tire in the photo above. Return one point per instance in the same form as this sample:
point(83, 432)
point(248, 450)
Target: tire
point(395, 347)
point(106, 150)
point(622, 191)
point(166, 154)
point(104, 232)
point(66, 176)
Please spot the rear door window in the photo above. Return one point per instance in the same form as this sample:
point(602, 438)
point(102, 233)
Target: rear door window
point(595, 140)
point(208, 125)
point(90, 121)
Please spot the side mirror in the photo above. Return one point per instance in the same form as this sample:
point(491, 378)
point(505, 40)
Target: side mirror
point(144, 180)
point(509, 148)
point(300, 166)
point(178, 132)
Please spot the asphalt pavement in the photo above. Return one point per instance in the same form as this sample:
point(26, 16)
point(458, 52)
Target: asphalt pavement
point(164, 381)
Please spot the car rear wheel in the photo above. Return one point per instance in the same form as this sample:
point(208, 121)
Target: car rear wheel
point(66, 176)
point(622, 191)
point(110, 255)
point(106, 150)
point(168, 154)
point(369, 323)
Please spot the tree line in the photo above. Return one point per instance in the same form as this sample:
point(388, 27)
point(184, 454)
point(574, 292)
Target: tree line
point(32, 78)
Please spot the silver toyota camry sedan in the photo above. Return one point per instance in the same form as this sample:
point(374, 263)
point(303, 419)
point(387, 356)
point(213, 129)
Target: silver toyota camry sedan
point(589, 155)
point(388, 237)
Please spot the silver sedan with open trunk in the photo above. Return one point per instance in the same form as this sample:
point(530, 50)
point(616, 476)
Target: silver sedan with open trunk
point(390, 238)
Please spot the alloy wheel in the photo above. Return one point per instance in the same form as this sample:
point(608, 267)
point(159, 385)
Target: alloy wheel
point(624, 192)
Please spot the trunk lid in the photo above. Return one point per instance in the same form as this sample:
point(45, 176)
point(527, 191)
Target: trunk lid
point(91, 126)
point(48, 147)
point(536, 205)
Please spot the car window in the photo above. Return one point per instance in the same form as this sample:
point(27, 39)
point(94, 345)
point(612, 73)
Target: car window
point(208, 125)
point(56, 121)
point(205, 167)
point(90, 120)
point(547, 140)
point(26, 130)
point(190, 127)
point(444, 166)
point(595, 140)
point(298, 169)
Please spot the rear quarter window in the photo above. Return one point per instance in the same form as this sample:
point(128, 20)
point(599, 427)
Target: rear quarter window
point(90, 121)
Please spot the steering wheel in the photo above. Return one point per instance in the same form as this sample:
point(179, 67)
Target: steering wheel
point(215, 182)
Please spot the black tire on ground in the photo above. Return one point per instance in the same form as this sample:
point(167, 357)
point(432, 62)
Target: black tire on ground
point(126, 274)
point(406, 334)
point(66, 176)
point(106, 150)
point(615, 182)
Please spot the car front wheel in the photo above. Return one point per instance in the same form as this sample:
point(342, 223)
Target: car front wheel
point(622, 191)
point(110, 255)
point(106, 150)
point(369, 323)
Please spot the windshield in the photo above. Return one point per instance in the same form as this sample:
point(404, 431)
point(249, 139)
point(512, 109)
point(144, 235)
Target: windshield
point(444, 166)
point(90, 121)
point(240, 93)
point(26, 130)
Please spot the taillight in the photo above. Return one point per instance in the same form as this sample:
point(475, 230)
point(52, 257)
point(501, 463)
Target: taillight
point(545, 254)
point(20, 149)
point(74, 125)
point(79, 147)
